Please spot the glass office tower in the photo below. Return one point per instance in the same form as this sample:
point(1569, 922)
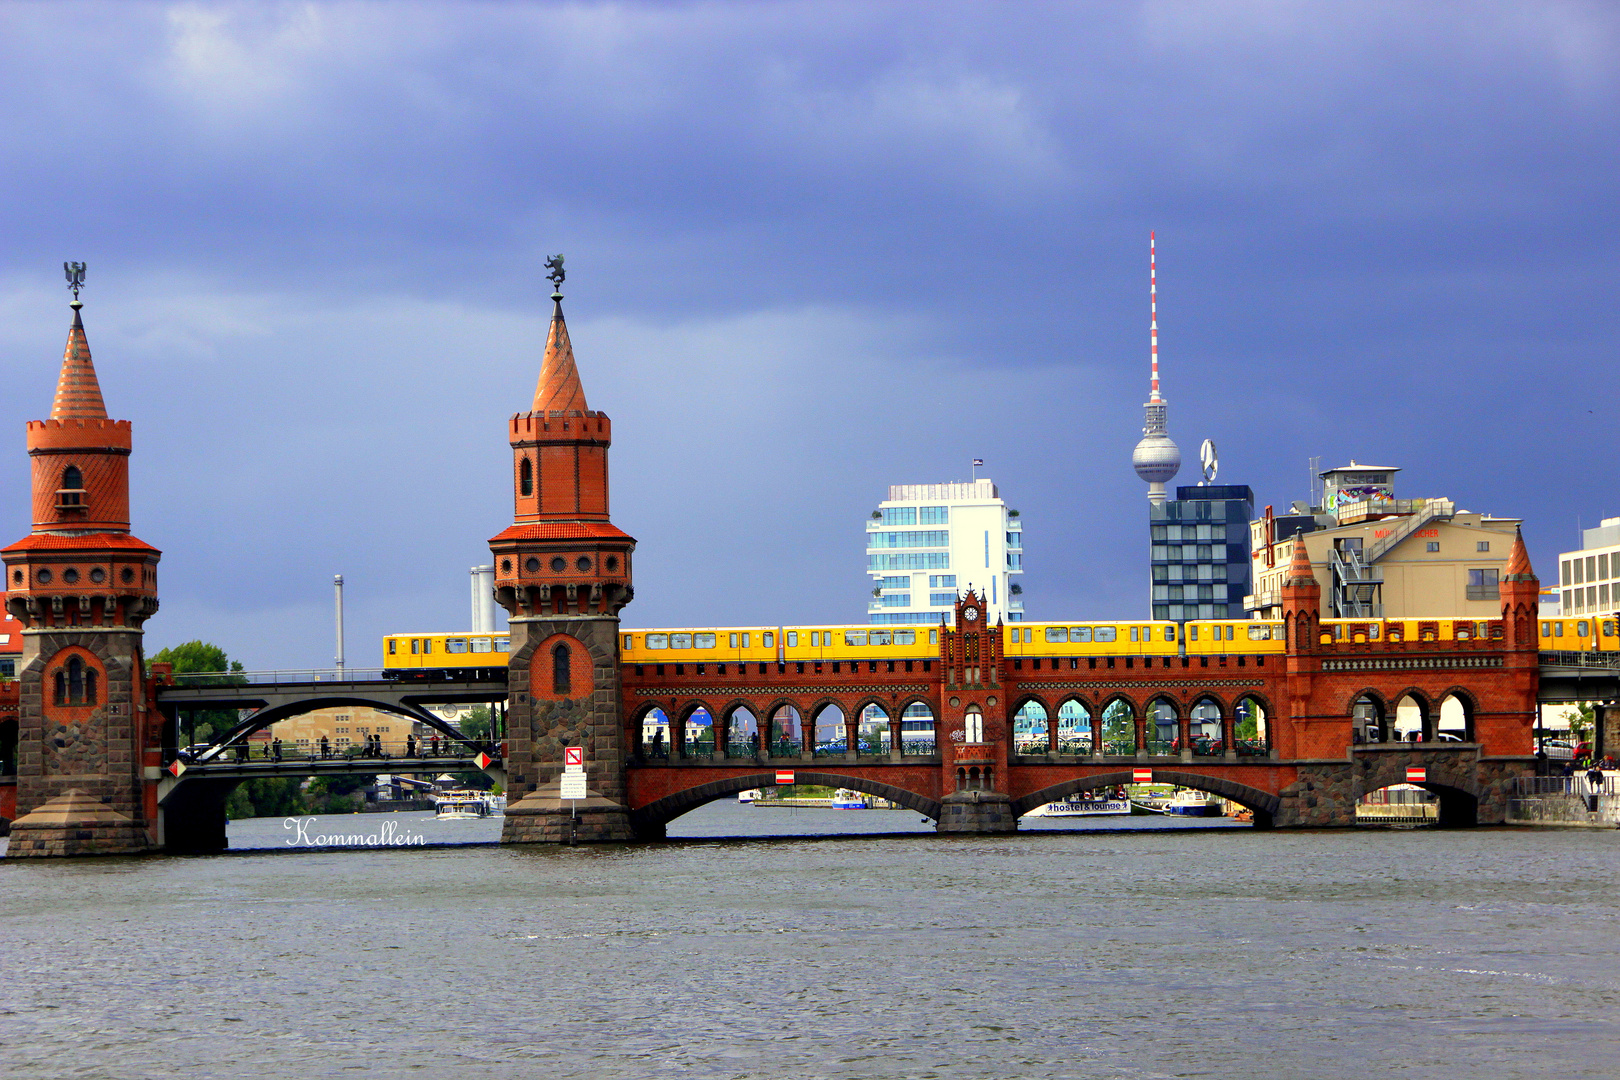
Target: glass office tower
point(1200, 552)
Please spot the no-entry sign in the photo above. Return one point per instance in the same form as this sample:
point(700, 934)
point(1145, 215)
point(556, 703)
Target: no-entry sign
point(1142, 776)
point(784, 777)
point(573, 757)
point(1416, 774)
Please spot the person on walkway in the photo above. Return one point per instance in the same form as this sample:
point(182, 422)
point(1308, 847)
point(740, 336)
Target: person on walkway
point(275, 749)
point(410, 745)
point(326, 748)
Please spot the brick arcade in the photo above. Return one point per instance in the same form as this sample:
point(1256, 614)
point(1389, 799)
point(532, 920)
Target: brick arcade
point(91, 741)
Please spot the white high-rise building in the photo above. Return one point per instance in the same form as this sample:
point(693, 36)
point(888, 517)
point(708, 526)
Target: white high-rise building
point(926, 543)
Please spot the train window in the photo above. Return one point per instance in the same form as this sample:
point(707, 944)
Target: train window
point(815, 639)
point(392, 646)
point(933, 637)
point(1057, 634)
point(1373, 630)
point(629, 642)
point(1230, 630)
point(704, 641)
point(1133, 633)
point(748, 640)
point(1169, 633)
point(881, 637)
point(1608, 628)
point(480, 644)
point(415, 646)
point(455, 644)
point(768, 640)
point(1546, 629)
point(1105, 633)
point(1480, 629)
point(793, 638)
point(427, 646)
point(1192, 633)
point(657, 641)
point(733, 641)
point(905, 637)
point(503, 644)
point(854, 637)
point(1259, 633)
point(1582, 628)
point(680, 641)
point(1558, 629)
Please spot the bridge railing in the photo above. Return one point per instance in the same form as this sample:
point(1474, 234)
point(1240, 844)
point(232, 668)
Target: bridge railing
point(290, 675)
point(1567, 658)
point(389, 750)
point(1565, 785)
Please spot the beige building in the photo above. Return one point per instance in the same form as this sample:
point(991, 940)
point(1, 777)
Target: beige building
point(1376, 556)
point(346, 726)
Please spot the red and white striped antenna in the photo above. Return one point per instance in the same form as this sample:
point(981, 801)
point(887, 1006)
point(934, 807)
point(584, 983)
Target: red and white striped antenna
point(1153, 309)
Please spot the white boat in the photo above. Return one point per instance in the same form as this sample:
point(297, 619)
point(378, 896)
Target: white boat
point(1189, 803)
point(750, 795)
point(458, 805)
point(1086, 804)
point(844, 799)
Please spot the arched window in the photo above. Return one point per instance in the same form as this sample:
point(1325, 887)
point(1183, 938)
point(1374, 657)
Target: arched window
point(75, 683)
point(974, 722)
point(526, 477)
point(71, 492)
point(561, 667)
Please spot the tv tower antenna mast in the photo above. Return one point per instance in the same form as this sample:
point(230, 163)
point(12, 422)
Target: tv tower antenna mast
point(1156, 459)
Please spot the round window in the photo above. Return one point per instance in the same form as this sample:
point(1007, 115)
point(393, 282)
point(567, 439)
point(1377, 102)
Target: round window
point(532, 566)
point(16, 575)
point(558, 565)
point(612, 562)
point(98, 575)
point(127, 574)
point(44, 577)
point(583, 563)
point(70, 575)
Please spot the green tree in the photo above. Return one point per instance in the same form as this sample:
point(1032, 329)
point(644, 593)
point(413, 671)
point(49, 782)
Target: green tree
point(199, 657)
point(270, 797)
point(475, 725)
point(1582, 722)
point(337, 794)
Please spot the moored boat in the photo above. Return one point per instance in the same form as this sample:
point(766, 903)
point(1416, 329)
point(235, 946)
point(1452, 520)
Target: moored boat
point(1103, 803)
point(1190, 803)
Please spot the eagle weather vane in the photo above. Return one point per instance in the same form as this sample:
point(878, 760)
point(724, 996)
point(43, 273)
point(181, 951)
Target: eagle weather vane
point(556, 277)
point(75, 277)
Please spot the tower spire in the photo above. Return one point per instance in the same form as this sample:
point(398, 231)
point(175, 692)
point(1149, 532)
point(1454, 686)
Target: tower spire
point(559, 388)
point(1156, 458)
point(78, 393)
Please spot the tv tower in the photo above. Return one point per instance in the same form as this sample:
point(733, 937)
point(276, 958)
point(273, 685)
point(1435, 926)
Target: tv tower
point(1156, 459)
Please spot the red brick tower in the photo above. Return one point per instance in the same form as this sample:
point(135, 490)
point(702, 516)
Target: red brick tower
point(562, 572)
point(1302, 615)
point(973, 724)
point(82, 587)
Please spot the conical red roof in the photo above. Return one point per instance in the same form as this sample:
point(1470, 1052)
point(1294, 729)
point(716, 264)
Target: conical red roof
point(1300, 568)
point(1518, 564)
point(78, 394)
point(559, 389)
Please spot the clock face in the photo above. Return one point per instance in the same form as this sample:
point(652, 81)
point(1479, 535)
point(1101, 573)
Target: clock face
point(970, 614)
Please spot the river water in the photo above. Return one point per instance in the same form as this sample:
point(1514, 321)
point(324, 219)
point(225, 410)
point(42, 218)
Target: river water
point(1124, 951)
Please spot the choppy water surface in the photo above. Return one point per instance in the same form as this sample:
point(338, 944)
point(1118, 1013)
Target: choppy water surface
point(1125, 952)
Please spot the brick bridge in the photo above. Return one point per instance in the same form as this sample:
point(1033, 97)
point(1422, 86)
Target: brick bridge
point(93, 731)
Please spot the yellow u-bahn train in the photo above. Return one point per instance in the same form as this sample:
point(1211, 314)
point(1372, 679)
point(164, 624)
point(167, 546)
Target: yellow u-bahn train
point(470, 655)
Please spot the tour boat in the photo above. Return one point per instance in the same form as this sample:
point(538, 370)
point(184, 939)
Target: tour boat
point(844, 799)
point(452, 809)
point(1191, 803)
point(1085, 804)
point(749, 795)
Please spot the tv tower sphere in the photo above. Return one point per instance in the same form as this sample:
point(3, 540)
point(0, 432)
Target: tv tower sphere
point(1156, 459)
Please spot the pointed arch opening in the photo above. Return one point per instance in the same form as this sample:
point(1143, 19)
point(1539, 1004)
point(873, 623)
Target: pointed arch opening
point(1031, 728)
point(1456, 719)
point(784, 732)
point(1414, 719)
point(1162, 727)
point(831, 732)
point(652, 734)
point(740, 728)
point(1073, 728)
point(1252, 732)
point(873, 734)
point(1119, 728)
point(1366, 719)
point(919, 730)
point(1205, 722)
point(526, 477)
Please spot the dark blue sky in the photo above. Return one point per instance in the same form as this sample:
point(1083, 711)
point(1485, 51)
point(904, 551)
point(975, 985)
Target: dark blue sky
point(814, 249)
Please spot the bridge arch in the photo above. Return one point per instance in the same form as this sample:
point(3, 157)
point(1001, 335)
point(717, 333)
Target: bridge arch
point(264, 717)
point(1453, 781)
point(655, 815)
point(1263, 803)
point(1446, 719)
